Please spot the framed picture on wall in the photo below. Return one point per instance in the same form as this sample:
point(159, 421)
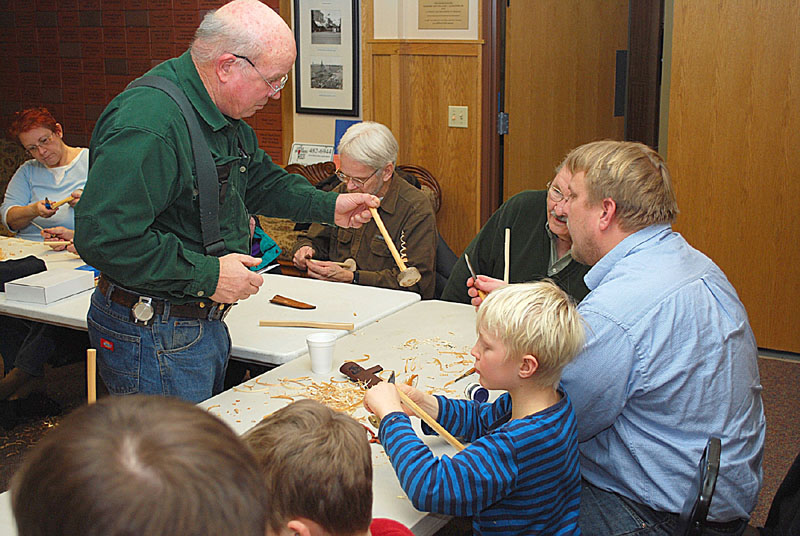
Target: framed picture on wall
point(326, 72)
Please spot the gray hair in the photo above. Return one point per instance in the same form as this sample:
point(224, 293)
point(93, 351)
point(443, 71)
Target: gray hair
point(219, 34)
point(369, 143)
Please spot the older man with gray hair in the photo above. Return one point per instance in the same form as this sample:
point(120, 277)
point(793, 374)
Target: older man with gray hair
point(157, 315)
point(669, 360)
point(368, 153)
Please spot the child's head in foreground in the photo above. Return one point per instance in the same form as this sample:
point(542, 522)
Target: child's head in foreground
point(139, 465)
point(317, 466)
point(528, 319)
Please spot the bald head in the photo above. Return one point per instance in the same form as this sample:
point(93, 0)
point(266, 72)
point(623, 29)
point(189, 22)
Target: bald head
point(248, 28)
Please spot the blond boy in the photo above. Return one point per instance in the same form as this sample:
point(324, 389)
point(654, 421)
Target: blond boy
point(520, 475)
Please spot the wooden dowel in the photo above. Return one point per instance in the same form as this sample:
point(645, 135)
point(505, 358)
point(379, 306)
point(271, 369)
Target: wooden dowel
point(430, 421)
point(305, 324)
point(342, 264)
point(91, 375)
point(507, 254)
point(388, 239)
point(59, 203)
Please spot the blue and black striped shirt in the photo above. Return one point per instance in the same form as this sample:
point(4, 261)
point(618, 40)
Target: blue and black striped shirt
point(517, 477)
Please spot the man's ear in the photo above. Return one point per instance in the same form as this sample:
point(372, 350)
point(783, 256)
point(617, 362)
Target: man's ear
point(223, 66)
point(528, 366)
point(387, 171)
point(609, 211)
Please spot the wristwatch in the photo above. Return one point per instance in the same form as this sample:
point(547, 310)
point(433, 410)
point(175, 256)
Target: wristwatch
point(355, 277)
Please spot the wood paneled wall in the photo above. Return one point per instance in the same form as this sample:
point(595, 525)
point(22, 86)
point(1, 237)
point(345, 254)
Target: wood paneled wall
point(734, 151)
point(408, 85)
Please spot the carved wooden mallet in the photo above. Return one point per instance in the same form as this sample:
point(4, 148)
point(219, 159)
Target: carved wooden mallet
point(408, 275)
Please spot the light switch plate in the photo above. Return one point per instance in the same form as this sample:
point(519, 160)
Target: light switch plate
point(457, 116)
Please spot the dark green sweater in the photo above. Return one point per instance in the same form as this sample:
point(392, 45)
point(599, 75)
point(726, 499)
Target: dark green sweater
point(526, 215)
point(139, 217)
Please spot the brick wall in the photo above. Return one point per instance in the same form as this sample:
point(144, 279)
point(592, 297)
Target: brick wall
point(74, 56)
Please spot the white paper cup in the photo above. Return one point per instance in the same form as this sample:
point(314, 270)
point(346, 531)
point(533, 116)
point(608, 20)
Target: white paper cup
point(320, 349)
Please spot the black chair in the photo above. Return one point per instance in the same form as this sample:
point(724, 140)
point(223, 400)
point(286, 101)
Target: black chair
point(445, 260)
point(695, 508)
point(784, 513)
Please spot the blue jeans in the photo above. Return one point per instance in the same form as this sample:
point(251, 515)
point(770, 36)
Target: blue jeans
point(180, 357)
point(604, 513)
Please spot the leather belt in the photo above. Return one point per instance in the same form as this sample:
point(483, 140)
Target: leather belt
point(201, 310)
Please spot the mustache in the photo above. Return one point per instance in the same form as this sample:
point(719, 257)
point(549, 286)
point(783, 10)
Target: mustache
point(562, 219)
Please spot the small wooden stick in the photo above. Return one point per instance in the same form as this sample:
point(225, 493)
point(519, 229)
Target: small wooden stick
point(91, 375)
point(57, 242)
point(305, 324)
point(408, 276)
point(348, 264)
point(507, 254)
point(429, 420)
point(59, 203)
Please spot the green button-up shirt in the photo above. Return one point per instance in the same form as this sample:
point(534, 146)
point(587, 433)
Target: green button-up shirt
point(139, 217)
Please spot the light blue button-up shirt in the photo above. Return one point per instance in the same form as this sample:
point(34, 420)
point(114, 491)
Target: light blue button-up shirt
point(670, 360)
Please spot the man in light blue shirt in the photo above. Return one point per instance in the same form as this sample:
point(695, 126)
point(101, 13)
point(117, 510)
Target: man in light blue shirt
point(670, 357)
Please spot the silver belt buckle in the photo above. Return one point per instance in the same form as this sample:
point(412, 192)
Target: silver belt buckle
point(143, 310)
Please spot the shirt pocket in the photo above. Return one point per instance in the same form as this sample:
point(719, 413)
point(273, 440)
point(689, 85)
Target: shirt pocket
point(344, 236)
point(378, 247)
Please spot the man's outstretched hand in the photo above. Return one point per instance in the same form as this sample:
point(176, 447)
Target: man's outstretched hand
point(352, 210)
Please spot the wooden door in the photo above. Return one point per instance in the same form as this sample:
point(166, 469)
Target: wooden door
point(560, 73)
point(734, 151)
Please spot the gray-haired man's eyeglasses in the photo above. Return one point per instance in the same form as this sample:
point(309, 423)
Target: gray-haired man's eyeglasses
point(281, 82)
point(358, 181)
point(556, 195)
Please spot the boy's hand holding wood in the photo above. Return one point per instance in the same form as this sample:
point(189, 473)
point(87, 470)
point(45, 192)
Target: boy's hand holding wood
point(382, 399)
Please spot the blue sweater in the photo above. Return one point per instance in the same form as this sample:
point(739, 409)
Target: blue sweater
point(517, 477)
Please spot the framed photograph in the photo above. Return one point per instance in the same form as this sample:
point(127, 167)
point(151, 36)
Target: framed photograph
point(326, 72)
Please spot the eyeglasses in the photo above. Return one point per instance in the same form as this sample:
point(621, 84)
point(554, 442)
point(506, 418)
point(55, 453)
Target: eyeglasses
point(347, 178)
point(42, 142)
point(281, 82)
point(556, 195)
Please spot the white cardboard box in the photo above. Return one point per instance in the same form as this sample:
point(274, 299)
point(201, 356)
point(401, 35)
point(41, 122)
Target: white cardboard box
point(47, 287)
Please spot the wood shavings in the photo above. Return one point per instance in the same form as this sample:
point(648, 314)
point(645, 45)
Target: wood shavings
point(267, 384)
point(403, 249)
point(412, 380)
point(343, 397)
point(251, 390)
point(361, 359)
point(209, 408)
point(285, 397)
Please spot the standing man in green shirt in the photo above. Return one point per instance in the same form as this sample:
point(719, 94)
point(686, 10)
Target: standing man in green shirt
point(156, 317)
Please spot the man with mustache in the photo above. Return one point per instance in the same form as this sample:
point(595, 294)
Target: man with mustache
point(540, 246)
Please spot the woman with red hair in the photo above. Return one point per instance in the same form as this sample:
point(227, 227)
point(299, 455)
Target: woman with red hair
point(57, 171)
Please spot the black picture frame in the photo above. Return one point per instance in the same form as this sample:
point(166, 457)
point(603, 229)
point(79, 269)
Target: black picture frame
point(327, 67)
